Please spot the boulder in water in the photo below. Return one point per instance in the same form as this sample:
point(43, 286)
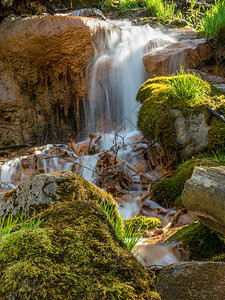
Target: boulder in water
point(204, 196)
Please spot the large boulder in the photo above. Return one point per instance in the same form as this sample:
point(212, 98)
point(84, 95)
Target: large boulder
point(192, 281)
point(45, 65)
point(76, 254)
point(167, 60)
point(204, 196)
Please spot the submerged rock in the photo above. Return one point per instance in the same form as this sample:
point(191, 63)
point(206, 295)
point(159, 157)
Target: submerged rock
point(45, 65)
point(74, 255)
point(192, 281)
point(204, 197)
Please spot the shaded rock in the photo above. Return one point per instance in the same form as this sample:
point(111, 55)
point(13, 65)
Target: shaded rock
point(76, 254)
point(204, 197)
point(192, 281)
point(43, 190)
point(45, 65)
point(32, 7)
point(167, 61)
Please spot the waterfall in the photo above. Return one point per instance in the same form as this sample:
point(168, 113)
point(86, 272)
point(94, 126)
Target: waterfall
point(117, 75)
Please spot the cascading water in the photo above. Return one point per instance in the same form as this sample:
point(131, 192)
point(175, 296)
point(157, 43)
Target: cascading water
point(117, 74)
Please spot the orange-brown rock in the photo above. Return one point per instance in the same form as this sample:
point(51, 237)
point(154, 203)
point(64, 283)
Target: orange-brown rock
point(166, 61)
point(44, 62)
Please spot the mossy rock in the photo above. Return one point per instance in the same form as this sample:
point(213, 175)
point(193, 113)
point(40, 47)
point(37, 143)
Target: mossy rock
point(201, 242)
point(167, 192)
point(41, 191)
point(142, 223)
point(76, 254)
point(170, 102)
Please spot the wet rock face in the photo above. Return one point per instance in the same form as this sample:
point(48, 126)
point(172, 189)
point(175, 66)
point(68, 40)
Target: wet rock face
point(167, 60)
point(44, 66)
point(204, 197)
point(192, 281)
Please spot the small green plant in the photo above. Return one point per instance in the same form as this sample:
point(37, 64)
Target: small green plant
point(12, 223)
point(187, 87)
point(160, 9)
point(213, 19)
point(130, 234)
point(219, 157)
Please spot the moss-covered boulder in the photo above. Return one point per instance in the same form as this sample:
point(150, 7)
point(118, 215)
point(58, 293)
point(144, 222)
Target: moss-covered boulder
point(42, 191)
point(174, 114)
point(201, 242)
point(167, 192)
point(74, 255)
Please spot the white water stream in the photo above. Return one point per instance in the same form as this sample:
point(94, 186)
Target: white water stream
point(117, 74)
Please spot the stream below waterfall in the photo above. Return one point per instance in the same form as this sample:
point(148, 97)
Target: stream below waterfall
point(115, 156)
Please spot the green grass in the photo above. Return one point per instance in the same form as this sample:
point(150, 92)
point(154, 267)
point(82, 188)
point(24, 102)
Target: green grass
point(129, 234)
point(187, 87)
point(25, 221)
point(213, 19)
point(160, 9)
point(128, 4)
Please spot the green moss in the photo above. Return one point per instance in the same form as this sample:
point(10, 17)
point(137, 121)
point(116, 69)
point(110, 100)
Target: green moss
point(142, 222)
point(186, 93)
point(75, 255)
point(202, 242)
point(168, 191)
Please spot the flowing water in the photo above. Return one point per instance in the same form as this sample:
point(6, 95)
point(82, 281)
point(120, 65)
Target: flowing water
point(117, 74)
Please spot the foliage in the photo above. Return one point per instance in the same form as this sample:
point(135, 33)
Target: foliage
point(213, 19)
point(134, 228)
point(128, 4)
point(202, 242)
point(74, 255)
point(160, 9)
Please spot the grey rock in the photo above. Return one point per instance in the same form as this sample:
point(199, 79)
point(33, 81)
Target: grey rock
point(192, 281)
point(191, 131)
point(204, 196)
point(43, 190)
